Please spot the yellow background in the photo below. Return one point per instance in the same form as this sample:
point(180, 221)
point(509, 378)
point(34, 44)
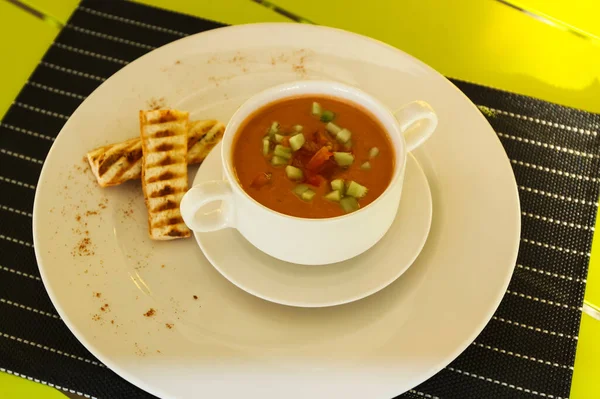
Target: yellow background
point(481, 41)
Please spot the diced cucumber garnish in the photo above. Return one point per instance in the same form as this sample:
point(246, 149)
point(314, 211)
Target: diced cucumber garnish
point(298, 128)
point(308, 195)
point(293, 173)
point(274, 128)
point(344, 136)
point(327, 116)
point(366, 166)
point(297, 141)
point(356, 190)
point(373, 152)
point(343, 158)
point(283, 152)
point(266, 146)
point(316, 109)
point(338, 185)
point(335, 196)
point(300, 189)
point(349, 204)
point(348, 145)
point(279, 161)
point(278, 138)
point(333, 128)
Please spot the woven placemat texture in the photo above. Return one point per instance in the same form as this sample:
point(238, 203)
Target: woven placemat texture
point(526, 351)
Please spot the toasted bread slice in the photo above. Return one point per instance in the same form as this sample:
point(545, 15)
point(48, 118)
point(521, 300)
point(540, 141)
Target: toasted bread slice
point(164, 135)
point(208, 133)
point(114, 164)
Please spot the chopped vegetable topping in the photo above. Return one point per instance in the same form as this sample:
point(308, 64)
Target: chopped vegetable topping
point(283, 152)
point(308, 157)
point(266, 146)
point(297, 141)
point(261, 180)
point(293, 173)
point(327, 116)
point(338, 185)
point(356, 190)
point(334, 196)
point(344, 136)
point(349, 204)
point(333, 128)
point(300, 189)
point(373, 152)
point(316, 109)
point(319, 159)
point(274, 128)
point(343, 158)
point(279, 161)
point(308, 195)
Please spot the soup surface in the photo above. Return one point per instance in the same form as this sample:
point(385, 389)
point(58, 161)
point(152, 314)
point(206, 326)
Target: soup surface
point(313, 157)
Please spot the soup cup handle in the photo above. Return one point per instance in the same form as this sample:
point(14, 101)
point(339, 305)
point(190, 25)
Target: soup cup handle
point(417, 122)
point(202, 195)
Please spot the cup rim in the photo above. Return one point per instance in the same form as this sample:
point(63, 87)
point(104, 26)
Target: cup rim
point(289, 89)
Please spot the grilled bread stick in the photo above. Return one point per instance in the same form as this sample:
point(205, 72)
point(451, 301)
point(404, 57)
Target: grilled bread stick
point(164, 138)
point(114, 164)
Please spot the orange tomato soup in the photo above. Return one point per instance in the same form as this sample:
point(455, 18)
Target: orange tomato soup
point(313, 157)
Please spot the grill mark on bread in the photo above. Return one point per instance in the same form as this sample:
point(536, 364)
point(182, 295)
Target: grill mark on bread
point(166, 161)
point(168, 116)
point(164, 133)
point(107, 162)
point(166, 190)
point(132, 156)
point(165, 176)
point(193, 140)
point(196, 134)
point(164, 147)
point(168, 222)
point(130, 153)
point(166, 206)
point(135, 155)
point(177, 233)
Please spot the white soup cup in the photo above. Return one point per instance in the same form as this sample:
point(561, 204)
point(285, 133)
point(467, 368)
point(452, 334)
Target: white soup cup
point(301, 240)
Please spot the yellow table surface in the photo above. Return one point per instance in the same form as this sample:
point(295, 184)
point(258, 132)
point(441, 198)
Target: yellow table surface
point(481, 41)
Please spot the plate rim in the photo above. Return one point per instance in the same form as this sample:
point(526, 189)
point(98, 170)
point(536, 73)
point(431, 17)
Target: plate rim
point(132, 378)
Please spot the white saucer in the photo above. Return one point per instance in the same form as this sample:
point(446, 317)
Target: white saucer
point(316, 286)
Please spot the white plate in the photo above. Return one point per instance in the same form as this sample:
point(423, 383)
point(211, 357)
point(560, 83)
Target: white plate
point(327, 285)
point(228, 343)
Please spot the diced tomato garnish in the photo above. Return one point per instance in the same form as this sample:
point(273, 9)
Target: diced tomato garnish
point(321, 138)
point(315, 180)
point(329, 169)
point(319, 159)
point(311, 147)
point(286, 141)
point(261, 180)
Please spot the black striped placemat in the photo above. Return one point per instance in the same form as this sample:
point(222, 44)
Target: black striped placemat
point(528, 348)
